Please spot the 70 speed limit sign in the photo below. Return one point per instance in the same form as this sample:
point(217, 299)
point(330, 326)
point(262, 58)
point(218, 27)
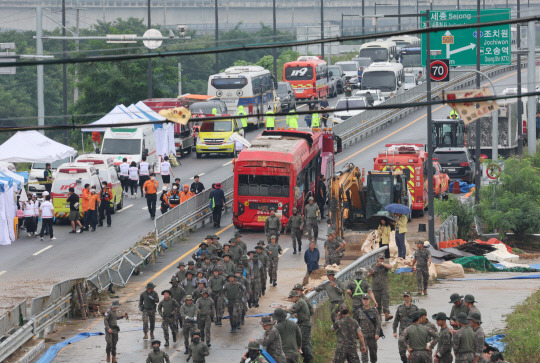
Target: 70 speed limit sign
point(439, 70)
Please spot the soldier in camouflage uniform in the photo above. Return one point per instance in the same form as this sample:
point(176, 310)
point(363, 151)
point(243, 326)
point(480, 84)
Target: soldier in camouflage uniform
point(295, 224)
point(425, 322)
point(333, 249)
point(188, 311)
point(168, 309)
point(271, 340)
point(358, 287)
point(300, 290)
point(181, 273)
point(247, 293)
point(201, 287)
point(301, 311)
point(402, 316)
point(312, 215)
point(197, 349)
point(147, 305)
point(178, 294)
point(206, 313)
point(422, 260)
point(272, 225)
point(234, 292)
point(464, 340)
point(228, 265)
point(443, 354)
point(240, 243)
point(416, 337)
point(257, 269)
point(254, 354)
point(190, 283)
point(458, 306)
point(235, 251)
point(273, 250)
point(347, 331)
point(207, 267)
point(469, 303)
point(474, 322)
point(265, 260)
point(111, 330)
point(156, 355)
point(291, 336)
point(368, 319)
point(335, 291)
point(379, 284)
point(215, 284)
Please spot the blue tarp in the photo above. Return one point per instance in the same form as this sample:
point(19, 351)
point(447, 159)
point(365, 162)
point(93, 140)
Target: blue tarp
point(24, 174)
point(524, 277)
point(464, 187)
point(496, 342)
point(404, 270)
point(535, 266)
point(53, 350)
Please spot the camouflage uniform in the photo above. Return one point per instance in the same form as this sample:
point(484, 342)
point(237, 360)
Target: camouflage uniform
point(273, 254)
point(301, 310)
point(157, 357)
point(416, 337)
point(379, 284)
point(265, 260)
point(178, 294)
point(189, 319)
point(257, 269)
point(236, 252)
point(233, 293)
point(271, 342)
point(311, 220)
point(332, 256)
point(198, 351)
point(228, 268)
point(422, 270)
point(358, 288)
point(335, 296)
point(458, 309)
point(245, 297)
point(272, 227)
point(296, 224)
point(216, 285)
point(110, 320)
point(206, 313)
point(480, 338)
point(464, 341)
point(291, 339)
point(401, 318)
point(444, 346)
point(189, 286)
point(147, 304)
point(168, 309)
point(347, 330)
point(473, 309)
point(371, 326)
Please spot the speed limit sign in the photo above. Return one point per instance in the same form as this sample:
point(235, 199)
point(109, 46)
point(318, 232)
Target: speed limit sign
point(439, 70)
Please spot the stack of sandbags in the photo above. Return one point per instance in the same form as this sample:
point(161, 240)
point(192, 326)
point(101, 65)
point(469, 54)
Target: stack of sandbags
point(449, 270)
point(501, 254)
point(371, 242)
point(355, 240)
point(317, 277)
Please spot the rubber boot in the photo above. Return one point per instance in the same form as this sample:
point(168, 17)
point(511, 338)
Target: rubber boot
point(186, 351)
point(387, 316)
point(114, 359)
point(420, 292)
point(166, 343)
point(174, 337)
point(294, 252)
point(404, 358)
point(152, 334)
point(299, 248)
point(145, 336)
point(425, 292)
point(108, 359)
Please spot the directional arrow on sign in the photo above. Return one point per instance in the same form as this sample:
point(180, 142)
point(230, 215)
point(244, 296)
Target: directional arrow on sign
point(459, 50)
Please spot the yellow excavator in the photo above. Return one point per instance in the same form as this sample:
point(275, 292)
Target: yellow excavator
point(356, 206)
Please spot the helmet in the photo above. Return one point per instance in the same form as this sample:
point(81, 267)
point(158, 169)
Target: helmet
point(454, 114)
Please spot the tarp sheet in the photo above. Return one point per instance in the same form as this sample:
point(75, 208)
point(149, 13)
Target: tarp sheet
point(32, 146)
point(496, 342)
point(522, 277)
point(119, 114)
point(51, 353)
point(464, 187)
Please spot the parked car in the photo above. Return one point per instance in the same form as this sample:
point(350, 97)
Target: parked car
point(336, 72)
point(350, 68)
point(346, 102)
point(456, 162)
point(285, 94)
point(410, 81)
point(376, 94)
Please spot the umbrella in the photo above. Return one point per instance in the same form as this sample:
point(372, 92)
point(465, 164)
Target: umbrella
point(374, 221)
point(397, 208)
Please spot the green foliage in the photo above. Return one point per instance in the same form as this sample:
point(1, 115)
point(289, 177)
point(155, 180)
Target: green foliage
point(513, 205)
point(522, 332)
point(464, 214)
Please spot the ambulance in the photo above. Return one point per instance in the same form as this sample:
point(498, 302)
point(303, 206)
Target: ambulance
point(131, 142)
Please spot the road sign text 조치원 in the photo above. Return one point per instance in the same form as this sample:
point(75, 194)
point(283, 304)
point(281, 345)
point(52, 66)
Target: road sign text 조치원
point(459, 46)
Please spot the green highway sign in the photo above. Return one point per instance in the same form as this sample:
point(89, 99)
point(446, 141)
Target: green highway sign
point(459, 46)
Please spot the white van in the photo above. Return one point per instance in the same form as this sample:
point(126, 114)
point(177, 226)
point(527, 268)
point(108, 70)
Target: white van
point(386, 77)
point(36, 175)
point(130, 142)
point(379, 51)
point(403, 41)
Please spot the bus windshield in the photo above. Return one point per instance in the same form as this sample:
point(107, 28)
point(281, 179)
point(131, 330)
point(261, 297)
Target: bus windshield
point(263, 185)
point(349, 67)
point(411, 59)
point(216, 126)
point(376, 54)
point(54, 164)
point(121, 146)
point(299, 73)
point(385, 81)
point(229, 83)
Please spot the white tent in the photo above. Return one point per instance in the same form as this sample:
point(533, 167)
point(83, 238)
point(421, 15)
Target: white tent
point(118, 114)
point(163, 133)
point(32, 146)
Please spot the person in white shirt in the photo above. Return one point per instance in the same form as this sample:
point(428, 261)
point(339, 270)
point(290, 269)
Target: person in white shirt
point(29, 213)
point(124, 175)
point(144, 173)
point(133, 178)
point(46, 211)
point(166, 172)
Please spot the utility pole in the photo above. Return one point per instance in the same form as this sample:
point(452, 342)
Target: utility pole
point(274, 51)
point(179, 79)
point(216, 35)
point(363, 21)
point(431, 209)
point(64, 72)
point(76, 90)
point(399, 13)
point(150, 93)
point(39, 51)
point(478, 124)
point(520, 104)
point(322, 28)
point(531, 79)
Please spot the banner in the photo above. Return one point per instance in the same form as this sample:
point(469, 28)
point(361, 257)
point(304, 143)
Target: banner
point(471, 111)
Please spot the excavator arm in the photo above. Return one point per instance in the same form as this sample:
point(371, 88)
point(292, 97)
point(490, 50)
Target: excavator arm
point(346, 197)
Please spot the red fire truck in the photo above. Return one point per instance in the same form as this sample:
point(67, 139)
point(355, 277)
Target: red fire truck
point(412, 160)
point(279, 170)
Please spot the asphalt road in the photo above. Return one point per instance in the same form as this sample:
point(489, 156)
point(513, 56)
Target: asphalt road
point(29, 267)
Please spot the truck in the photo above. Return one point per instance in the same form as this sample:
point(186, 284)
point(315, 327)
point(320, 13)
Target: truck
point(130, 142)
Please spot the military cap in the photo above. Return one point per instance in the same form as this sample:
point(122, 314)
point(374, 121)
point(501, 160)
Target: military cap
point(191, 262)
point(227, 254)
point(226, 244)
point(279, 314)
point(115, 304)
point(455, 297)
point(166, 291)
point(215, 236)
point(311, 198)
point(295, 209)
point(173, 279)
point(248, 252)
point(293, 293)
point(261, 243)
point(150, 285)
point(422, 311)
point(330, 272)
point(181, 264)
point(360, 272)
point(266, 320)
point(202, 281)
point(365, 296)
point(469, 298)
point(272, 209)
point(232, 240)
point(253, 346)
point(207, 291)
point(298, 287)
point(406, 293)
point(381, 255)
point(231, 275)
point(462, 318)
point(195, 332)
point(475, 317)
point(255, 256)
point(214, 258)
point(189, 297)
point(259, 247)
point(189, 272)
point(199, 271)
point(273, 236)
point(440, 316)
point(415, 316)
point(209, 236)
point(155, 341)
point(237, 234)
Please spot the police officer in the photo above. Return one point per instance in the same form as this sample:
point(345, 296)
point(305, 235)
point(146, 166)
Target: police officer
point(300, 310)
point(295, 224)
point(197, 349)
point(311, 219)
point(333, 249)
point(147, 305)
point(416, 337)
point(422, 260)
point(358, 287)
point(291, 336)
point(111, 330)
point(233, 292)
point(156, 355)
point(47, 176)
point(347, 331)
point(380, 286)
point(443, 354)
point(188, 312)
point(335, 291)
point(464, 340)
point(274, 250)
point(368, 319)
point(403, 313)
point(270, 119)
point(272, 226)
point(271, 340)
point(458, 306)
point(167, 309)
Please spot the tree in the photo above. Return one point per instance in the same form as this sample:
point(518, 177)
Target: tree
point(464, 214)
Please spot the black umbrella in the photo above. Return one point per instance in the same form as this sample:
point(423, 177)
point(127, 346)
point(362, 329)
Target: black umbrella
point(374, 221)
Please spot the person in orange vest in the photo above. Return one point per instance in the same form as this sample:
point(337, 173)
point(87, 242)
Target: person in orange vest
point(85, 203)
point(105, 207)
point(150, 191)
point(185, 194)
point(173, 199)
point(93, 205)
point(163, 199)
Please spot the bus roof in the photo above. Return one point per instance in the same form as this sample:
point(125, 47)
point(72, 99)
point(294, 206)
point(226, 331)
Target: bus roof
point(410, 49)
point(304, 61)
point(378, 44)
point(244, 69)
point(379, 66)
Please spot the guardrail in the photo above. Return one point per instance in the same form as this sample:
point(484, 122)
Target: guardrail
point(346, 274)
point(447, 231)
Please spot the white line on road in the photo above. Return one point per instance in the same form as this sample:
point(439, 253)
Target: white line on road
point(201, 174)
point(43, 250)
point(285, 250)
point(2, 272)
point(230, 162)
point(144, 208)
point(126, 207)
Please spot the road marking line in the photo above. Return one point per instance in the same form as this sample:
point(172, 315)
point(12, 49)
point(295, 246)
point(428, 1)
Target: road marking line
point(285, 250)
point(230, 162)
point(2, 272)
point(144, 208)
point(126, 207)
point(43, 250)
point(404, 127)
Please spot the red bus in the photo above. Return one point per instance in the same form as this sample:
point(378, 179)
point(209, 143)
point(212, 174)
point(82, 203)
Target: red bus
point(308, 76)
point(279, 170)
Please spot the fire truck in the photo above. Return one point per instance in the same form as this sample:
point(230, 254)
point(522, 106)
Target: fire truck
point(412, 159)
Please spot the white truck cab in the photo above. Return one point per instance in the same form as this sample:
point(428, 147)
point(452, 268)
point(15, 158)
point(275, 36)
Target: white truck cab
point(131, 142)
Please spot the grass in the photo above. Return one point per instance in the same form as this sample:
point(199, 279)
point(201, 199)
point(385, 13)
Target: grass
point(324, 340)
point(522, 334)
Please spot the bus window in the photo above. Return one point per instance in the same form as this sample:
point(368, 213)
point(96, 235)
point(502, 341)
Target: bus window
point(376, 54)
point(229, 83)
point(263, 185)
point(299, 73)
